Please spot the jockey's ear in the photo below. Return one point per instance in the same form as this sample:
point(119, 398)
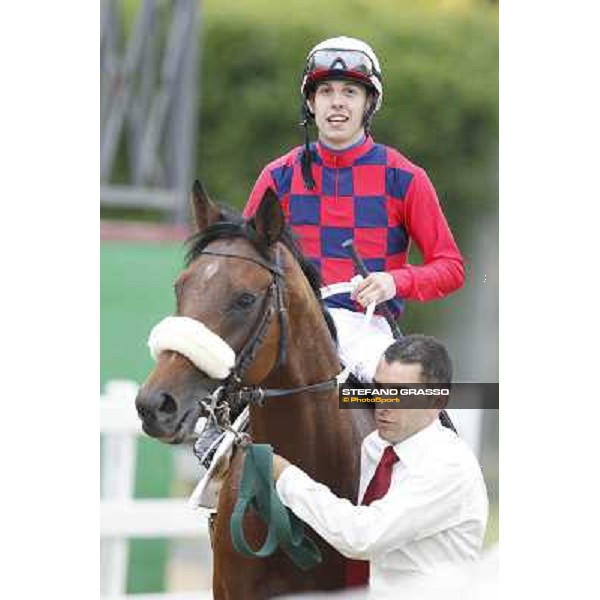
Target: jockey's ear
point(206, 212)
point(269, 220)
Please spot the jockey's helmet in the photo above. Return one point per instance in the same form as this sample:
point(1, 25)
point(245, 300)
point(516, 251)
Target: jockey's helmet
point(343, 58)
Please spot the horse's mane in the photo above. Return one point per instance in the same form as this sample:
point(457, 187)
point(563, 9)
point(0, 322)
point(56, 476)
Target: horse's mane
point(233, 225)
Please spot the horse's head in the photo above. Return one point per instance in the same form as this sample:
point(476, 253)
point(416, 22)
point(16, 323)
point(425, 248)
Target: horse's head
point(228, 318)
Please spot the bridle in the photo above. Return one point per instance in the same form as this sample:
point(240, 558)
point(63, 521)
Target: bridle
point(273, 303)
point(232, 392)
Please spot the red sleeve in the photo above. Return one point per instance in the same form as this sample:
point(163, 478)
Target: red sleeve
point(263, 182)
point(442, 271)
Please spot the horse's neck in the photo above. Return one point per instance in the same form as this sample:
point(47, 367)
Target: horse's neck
point(312, 355)
point(309, 428)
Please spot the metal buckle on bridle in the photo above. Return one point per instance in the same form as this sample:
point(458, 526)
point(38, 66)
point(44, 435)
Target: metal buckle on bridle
point(218, 410)
point(214, 408)
point(252, 395)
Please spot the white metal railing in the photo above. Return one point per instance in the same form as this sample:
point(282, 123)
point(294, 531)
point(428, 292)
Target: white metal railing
point(122, 516)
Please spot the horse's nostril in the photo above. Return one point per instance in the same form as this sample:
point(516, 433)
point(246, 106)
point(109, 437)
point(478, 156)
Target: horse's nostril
point(168, 404)
point(144, 413)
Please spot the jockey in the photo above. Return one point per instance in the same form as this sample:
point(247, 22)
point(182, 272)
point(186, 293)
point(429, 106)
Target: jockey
point(346, 186)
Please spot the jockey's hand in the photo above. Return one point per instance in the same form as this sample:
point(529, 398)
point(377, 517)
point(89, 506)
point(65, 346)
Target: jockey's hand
point(279, 464)
point(377, 287)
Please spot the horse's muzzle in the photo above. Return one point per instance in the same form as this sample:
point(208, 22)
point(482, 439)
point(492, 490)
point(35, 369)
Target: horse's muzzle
point(165, 417)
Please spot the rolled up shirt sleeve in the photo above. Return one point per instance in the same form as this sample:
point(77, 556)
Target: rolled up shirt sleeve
point(419, 507)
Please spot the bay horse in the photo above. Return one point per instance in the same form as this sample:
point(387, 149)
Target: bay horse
point(248, 283)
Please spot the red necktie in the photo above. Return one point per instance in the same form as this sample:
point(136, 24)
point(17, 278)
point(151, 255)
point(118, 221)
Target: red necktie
point(357, 571)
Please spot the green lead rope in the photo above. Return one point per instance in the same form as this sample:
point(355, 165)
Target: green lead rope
point(284, 528)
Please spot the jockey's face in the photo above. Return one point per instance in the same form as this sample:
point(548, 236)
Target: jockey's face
point(339, 107)
point(396, 424)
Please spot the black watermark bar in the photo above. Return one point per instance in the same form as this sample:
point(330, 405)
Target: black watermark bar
point(419, 395)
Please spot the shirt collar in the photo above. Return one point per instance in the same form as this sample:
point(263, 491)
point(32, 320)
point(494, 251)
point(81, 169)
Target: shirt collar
point(414, 447)
point(351, 147)
point(344, 158)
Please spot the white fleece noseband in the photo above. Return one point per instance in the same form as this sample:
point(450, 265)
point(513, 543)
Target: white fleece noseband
point(209, 352)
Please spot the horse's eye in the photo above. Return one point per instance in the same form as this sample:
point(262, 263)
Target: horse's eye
point(245, 300)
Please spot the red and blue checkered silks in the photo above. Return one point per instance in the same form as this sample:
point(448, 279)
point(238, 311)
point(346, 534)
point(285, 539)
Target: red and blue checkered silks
point(376, 196)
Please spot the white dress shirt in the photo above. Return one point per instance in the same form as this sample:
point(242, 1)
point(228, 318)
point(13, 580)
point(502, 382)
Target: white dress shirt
point(434, 514)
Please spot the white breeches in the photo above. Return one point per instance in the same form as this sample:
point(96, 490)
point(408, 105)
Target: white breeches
point(361, 344)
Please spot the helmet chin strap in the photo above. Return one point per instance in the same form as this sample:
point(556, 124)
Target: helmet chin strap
point(368, 116)
point(306, 159)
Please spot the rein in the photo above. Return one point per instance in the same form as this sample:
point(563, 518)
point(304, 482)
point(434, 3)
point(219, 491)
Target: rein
point(285, 529)
point(258, 395)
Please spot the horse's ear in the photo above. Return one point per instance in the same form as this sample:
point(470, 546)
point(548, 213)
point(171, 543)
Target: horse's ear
point(206, 212)
point(269, 220)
